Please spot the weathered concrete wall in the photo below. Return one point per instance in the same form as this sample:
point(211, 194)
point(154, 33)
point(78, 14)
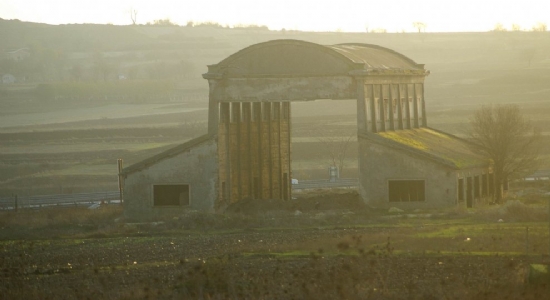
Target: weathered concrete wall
point(197, 167)
point(254, 151)
point(378, 164)
point(290, 88)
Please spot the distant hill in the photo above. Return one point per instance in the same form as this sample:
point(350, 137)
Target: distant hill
point(466, 68)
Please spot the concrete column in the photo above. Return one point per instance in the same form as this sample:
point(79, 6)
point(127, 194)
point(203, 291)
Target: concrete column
point(407, 107)
point(415, 105)
point(236, 149)
point(225, 153)
point(214, 98)
point(487, 185)
point(399, 108)
point(424, 116)
point(373, 109)
point(258, 112)
point(361, 106)
point(382, 109)
point(247, 155)
point(390, 103)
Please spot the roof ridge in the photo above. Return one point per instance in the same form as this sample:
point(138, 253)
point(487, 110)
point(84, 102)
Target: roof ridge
point(166, 154)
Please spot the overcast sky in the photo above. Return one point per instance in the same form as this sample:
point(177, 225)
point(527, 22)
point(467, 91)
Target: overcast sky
point(310, 15)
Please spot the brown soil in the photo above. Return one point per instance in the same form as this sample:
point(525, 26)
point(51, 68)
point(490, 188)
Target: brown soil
point(220, 266)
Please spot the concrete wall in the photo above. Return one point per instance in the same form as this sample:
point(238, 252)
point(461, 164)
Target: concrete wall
point(197, 167)
point(254, 151)
point(378, 164)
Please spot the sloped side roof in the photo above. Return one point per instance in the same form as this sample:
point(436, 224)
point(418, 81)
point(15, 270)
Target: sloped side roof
point(431, 144)
point(166, 154)
point(299, 58)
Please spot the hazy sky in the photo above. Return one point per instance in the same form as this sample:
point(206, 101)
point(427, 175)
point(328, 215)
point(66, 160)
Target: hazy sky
point(316, 15)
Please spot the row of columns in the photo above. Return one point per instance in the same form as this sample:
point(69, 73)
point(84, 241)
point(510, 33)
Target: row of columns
point(254, 150)
point(475, 187)
point(389, 107)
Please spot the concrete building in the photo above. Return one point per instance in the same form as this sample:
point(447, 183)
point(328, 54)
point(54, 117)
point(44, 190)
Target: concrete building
point(18, 54)
point(8, 79)
point(247, 152)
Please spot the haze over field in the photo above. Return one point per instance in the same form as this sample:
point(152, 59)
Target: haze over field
point(95, 88)
point(307, 15)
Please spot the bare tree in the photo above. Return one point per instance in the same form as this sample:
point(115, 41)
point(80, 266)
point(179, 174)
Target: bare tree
point(336, 147)
point(419, 26)
point(133, 16)
point(528, 54)
point(506, 138)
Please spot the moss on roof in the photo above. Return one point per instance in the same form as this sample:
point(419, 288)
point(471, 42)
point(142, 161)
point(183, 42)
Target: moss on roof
point(433, 144)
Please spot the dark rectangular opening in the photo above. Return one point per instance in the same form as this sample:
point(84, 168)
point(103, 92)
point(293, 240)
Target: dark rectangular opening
point(469, 192)
point(461, 189)
point(224, 192)
point(406, 190)
point(477, 193)
point(171, 195)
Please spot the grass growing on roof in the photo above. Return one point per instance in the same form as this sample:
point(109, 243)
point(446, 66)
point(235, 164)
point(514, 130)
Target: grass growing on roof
point(395, 136)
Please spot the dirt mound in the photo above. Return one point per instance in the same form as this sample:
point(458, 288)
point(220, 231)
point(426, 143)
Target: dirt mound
point(304, 202)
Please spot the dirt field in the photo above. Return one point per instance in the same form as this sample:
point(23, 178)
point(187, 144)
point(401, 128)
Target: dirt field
point(319, 246)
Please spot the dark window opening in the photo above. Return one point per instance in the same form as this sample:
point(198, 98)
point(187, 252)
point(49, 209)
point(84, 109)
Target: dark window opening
point(171, 195)
point(406, 190)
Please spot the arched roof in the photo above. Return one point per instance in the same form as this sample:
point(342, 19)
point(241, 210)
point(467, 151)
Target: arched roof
point(300, 58)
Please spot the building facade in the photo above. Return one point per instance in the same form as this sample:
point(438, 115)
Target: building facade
point(247, 151)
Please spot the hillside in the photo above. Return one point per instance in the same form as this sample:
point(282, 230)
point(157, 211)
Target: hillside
point(89, 94)
point(466, 67)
